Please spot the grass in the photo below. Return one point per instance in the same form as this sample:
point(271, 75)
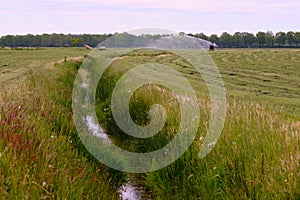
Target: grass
point(41, 156)
point(270, 76)
point(257, 156)
point(15, 63)
point(258, 152)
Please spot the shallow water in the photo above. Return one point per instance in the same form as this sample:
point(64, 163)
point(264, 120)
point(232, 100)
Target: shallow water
point(96, 129)
point(131, 190)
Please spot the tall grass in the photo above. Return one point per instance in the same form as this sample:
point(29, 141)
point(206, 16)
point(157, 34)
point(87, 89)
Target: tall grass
point(41, 156)
point(254, 159)
point(257, 156)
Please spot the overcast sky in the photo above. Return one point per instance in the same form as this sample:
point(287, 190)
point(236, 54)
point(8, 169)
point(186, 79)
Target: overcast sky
point(109, 16)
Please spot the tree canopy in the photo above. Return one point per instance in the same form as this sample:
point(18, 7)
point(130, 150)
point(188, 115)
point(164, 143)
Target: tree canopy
point(226, 40)
point(52, 40)
point(260, 39)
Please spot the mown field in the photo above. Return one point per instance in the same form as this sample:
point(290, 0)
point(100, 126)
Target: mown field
point(257, 156)
point(270, 76)
point(15, 62)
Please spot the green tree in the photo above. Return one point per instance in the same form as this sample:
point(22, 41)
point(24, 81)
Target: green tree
point(238, 39)
point(226, 40)
point(8, 40)
point(214, 38)
point(45, 40)
point(249, 39)
point(76, 41)
point(201, 35)
point(19, 40)
point(297, 38)
point(261, 38)
point(270, 39)
point(37, 41)
point(28, 40)
point(280, 38)
point(290, 38)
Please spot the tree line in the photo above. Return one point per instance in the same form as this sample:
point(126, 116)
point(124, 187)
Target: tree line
point(226, 40)
point(260, 39)
point(52, 40)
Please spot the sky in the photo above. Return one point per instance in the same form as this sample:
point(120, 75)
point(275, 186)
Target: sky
point(19, 17)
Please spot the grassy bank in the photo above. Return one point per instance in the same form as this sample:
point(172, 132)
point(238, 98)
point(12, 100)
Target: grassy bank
point(41, 156)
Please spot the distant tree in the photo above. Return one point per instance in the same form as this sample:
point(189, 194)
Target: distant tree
point(214, 38)
point(280, 38)
point(76, 41)
point(238, 39)
point(122, 40)
point(88, 39)
point(28, 40)
point(8, 40)
point(270, 39)
point(290, 38)
point(37, 41)
point(62, 40)
point(201, 36)
point(57, 40)
point(226, 40)
point(297, 38)
point(45, 40)
point(249, 39)
point(19, 40)
point(261, 39)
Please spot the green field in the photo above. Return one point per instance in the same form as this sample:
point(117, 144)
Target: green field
point(257, 156)
point(270, 76)
point(16, 62)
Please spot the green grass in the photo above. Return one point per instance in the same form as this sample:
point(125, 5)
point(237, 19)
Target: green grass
point(15, 63)
point(256, 157)
point(41, 154)
point(258, 152)
point(270, 77)
point(267, 76)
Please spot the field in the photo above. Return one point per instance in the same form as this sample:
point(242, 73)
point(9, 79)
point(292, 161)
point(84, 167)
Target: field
point(267, 76)
point(14, 63)
point(257, 156)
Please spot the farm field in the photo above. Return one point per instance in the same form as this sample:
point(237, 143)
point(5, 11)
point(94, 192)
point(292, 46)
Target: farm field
point(257, 156)
point(268, 76)
point(15, 63)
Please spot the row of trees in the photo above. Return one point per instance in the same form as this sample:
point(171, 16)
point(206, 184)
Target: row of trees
point(53, 40)
point(237, 40)
point(260, 39)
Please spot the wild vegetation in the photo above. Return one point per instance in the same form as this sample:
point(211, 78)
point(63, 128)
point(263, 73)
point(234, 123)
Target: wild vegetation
point(258, 152)
point(41, 156)
point(257, 156)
